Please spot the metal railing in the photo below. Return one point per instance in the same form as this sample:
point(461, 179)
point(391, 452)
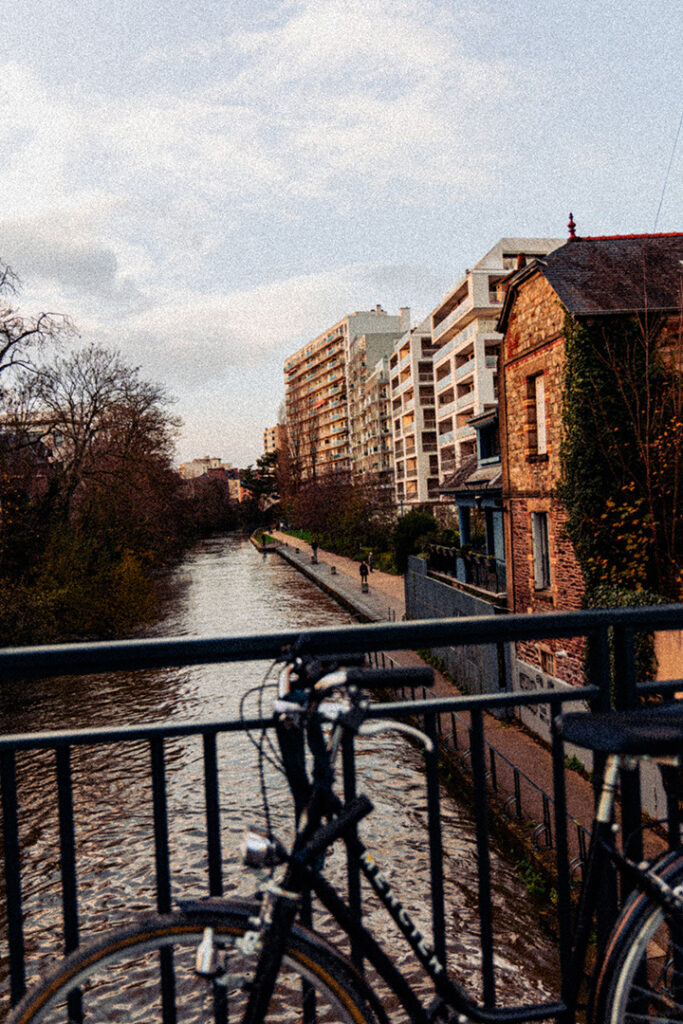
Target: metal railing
point(610, 654)
point(474, 567)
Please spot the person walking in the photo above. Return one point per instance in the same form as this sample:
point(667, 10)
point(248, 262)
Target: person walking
point(371, 561)
point(363, 568)
point(314, 549)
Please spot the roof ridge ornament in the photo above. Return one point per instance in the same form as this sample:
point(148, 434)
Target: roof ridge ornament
point(572, 227)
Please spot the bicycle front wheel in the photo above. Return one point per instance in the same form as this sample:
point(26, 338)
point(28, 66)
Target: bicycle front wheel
point(641, 977)
point(146, 972)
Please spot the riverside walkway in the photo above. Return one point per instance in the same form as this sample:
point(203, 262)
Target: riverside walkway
point(340, 577)
point(523, 762)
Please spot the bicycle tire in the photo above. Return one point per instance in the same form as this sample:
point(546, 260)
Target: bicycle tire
point(120, 978)
point(641, 975)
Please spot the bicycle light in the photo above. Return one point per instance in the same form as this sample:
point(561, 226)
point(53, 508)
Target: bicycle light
point(260, 851)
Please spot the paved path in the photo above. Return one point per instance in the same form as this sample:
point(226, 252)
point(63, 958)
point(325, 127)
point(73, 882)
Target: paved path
point(384, 601)
point(514, 746)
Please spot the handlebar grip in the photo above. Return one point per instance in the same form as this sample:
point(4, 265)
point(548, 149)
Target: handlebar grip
point(386, 678)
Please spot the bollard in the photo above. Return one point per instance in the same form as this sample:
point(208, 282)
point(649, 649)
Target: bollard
point(333, 570)
point(364, 586)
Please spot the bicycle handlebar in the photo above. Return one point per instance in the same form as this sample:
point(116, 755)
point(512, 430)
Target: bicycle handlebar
point(385, 678)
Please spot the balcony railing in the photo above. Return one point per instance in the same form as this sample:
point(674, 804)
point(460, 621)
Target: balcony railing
point(472, 567)
point(457, 724)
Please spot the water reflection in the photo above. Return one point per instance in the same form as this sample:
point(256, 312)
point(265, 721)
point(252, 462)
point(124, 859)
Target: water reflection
point(226, 587)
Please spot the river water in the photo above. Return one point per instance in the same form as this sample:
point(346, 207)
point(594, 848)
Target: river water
point(225, 586)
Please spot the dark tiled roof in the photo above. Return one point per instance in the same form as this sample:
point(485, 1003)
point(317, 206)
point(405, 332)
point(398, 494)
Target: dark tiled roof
point(470, 477)
point(612, 274)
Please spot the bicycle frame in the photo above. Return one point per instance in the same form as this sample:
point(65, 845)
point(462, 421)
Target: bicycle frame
point(453, 1003)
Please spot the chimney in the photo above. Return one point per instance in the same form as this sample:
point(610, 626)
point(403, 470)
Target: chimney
point(404, 319)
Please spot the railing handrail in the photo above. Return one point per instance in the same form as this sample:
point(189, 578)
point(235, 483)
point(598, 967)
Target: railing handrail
point(81, 658)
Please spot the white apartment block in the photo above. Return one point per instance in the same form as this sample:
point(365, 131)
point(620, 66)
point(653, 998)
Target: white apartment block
point(413, 413)
point(374, 460)
point(317, 388)
point(463, 330)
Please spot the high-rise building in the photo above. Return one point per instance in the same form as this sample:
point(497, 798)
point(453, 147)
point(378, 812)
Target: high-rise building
point(416, 470)
point(464, 334)
point(317, 388)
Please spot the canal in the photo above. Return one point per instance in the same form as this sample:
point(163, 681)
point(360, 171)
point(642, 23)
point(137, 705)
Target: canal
point(225, 586)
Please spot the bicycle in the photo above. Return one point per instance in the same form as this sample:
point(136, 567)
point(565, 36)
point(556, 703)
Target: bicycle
point(260, 960)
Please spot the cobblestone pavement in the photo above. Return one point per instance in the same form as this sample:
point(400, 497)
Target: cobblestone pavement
point(514, 747)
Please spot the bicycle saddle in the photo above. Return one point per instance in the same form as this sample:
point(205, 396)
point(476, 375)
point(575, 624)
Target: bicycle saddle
point(650, 730)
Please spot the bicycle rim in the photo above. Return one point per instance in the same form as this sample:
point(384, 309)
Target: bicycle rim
point(145, 973)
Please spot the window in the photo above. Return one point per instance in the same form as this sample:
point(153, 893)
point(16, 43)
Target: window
point(539, 533)
point(541, 444)
point(536, 418)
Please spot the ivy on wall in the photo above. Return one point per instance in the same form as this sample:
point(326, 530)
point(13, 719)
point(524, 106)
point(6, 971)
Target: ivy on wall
point(621, 455)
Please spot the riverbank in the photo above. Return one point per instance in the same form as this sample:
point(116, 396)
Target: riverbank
point(523, 769)
point(338, 576)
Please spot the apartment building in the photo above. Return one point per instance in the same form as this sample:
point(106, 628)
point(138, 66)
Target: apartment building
point(317, 388)
point(413, 413)
point(463, 329)
point(374, 459)
point(273, 439)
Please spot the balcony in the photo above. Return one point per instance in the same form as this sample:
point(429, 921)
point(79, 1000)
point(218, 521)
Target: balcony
point(465, 369)
point(465, 401)
point(475, 568)
point(445, 438)
point(443, 383)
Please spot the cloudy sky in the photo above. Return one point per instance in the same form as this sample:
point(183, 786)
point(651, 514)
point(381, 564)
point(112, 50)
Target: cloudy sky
point(206, 186)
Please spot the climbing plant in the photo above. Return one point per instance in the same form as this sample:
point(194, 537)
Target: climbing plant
point(621, 453)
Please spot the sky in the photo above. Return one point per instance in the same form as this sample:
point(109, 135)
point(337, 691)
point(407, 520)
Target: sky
point(207, 186)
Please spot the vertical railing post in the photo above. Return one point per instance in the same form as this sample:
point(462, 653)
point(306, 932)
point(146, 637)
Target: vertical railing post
point(352, 869)
point(483, 857)
point(626, 697)
point(67, 848)
point(435, 839)
point(163, 873)
point(561, 846)
point(12, 864)
point(213, 814)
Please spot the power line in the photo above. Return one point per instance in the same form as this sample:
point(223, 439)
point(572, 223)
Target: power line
point(668, 171)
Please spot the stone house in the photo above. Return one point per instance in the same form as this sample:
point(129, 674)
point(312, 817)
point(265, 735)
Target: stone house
point(590, 280)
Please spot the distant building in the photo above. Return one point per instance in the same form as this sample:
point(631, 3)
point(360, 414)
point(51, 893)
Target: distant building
point(198, 467)
point(317, 388)
point(413, 415)
point(375, 458)
point(273, 439)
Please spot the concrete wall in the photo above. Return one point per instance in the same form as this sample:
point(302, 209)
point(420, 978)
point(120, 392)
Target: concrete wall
point(477, 669)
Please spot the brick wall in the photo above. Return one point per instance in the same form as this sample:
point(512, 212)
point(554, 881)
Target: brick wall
point(533, 347)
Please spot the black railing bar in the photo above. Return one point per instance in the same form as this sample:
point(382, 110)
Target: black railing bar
point(659, 688)
point(163, 873)
point(161, 845)
point(352, 870)
point(435, 841)
point(12, 859)
point(74, 659)
point(53, 738)
point(67, 864)
point(213, 815)
point(67, 847)
point(484, 701)
point(126, 733)
point(483, 858)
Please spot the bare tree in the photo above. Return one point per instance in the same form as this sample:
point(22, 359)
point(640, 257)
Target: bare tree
point(20, 336)
point(98, 418)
